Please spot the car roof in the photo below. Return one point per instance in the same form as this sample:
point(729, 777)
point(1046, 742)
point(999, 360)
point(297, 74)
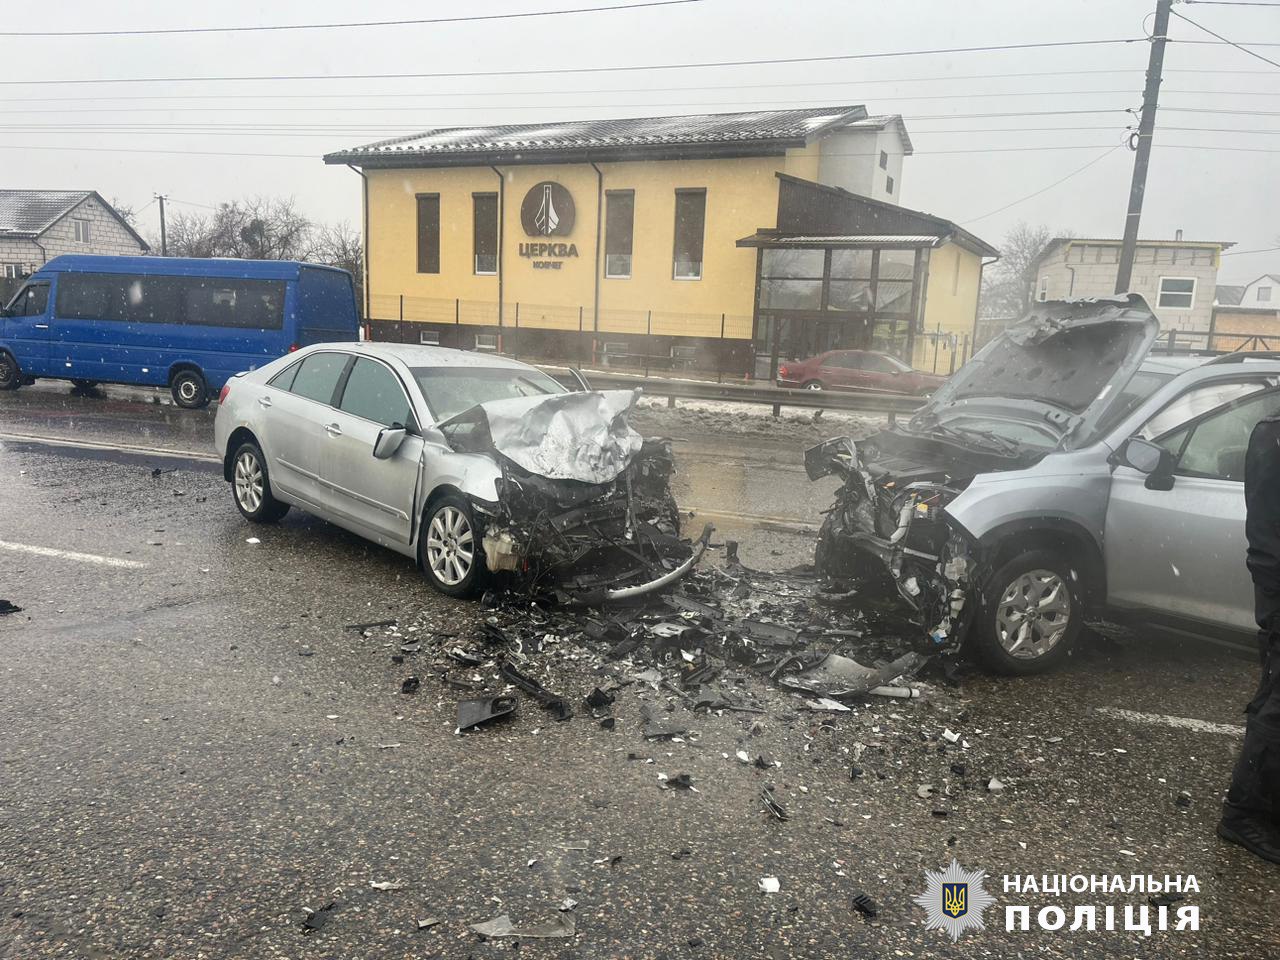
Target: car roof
point(418, 355)
point(1176, 364)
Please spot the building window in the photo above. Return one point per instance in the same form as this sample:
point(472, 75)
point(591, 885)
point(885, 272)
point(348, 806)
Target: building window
point(430, 338)
point(884, 160)
point(487, 342)
point(691, 213)
point(82, 230)
point(888, 185)
point(1043, 293)
point(619, 223)
point(485, 221)
point(428, 233)
point(1264, 294)
point(12, 271)
point(1177, 293)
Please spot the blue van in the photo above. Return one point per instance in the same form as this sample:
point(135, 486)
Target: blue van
point(168, 321)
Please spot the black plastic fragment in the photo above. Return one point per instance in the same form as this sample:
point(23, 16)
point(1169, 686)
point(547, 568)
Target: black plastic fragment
point(866, 906)
point(558, 705)
point(410, 685)
point(318, 918)
point(772, 805)
point(472, 713)
point(598, 699)
point(371, 625)
point(7, 606)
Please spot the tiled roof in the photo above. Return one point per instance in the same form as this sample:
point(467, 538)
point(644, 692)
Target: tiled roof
point(703, 133)
point(28, 213)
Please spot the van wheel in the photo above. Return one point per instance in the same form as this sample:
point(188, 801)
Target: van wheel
point(1032, 612)
point(189, 389)
point(10, 375)
point(450, 550)
point(84, 384)
point(251, 487)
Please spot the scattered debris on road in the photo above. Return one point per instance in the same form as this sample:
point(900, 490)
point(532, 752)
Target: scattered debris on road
point(561, 925)
point(7, 606)
point(472, 713)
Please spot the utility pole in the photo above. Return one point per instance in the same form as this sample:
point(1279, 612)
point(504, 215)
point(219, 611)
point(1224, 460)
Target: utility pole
point(164, 244)
point(1146, 128)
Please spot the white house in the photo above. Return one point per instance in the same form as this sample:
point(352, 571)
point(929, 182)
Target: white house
point(1263, 292)
point(38, 225)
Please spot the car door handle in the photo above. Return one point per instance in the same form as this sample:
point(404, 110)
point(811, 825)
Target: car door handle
point(42, 326)
point(264, 401)
point(333, 430)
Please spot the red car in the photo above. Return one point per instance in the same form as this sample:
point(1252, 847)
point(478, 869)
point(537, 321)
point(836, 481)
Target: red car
point(857, 370)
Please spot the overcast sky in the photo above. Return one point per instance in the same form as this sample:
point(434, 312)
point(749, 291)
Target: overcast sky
point(1221, 183)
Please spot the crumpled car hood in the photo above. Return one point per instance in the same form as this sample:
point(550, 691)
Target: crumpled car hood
point(1067, 354)
point(563, 436)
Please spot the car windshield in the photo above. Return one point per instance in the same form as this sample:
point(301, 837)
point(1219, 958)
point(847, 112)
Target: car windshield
point(450, 390)
point(1143, 385)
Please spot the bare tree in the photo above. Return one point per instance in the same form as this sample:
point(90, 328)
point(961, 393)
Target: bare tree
point(1007, 286)
point(338, 245)
point(128, 213)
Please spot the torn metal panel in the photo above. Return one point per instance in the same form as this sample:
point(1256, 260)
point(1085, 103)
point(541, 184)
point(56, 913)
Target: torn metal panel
point(580, 436)
point(837, 676)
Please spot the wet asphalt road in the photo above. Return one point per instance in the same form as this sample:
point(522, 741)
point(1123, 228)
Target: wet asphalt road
point(193, 750)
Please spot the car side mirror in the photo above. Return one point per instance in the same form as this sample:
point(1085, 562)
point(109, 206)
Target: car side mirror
point(1149, 458)
point(389, 441)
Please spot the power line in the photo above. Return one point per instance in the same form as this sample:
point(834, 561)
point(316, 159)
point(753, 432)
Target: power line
point(1100, 157)
point(161, 31)
point(1252, 53)
point(552, 71)
point(1236, 253)
point(1232, 3)
point(389, 95)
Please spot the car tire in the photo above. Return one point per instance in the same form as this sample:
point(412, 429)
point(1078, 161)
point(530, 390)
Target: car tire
point(251, 486)
point(84, 384)
point(1031, 614)
point(10, 375)
point(812, 385)
point(189, 389)
point(448, 530)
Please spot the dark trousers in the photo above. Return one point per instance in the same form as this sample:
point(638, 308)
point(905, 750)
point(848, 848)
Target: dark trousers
point(1255, 785)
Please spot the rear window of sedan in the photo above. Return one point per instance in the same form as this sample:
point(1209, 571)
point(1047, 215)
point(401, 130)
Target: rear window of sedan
point(450, 390)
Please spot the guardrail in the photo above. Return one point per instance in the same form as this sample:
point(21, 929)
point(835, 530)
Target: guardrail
point(856, 401)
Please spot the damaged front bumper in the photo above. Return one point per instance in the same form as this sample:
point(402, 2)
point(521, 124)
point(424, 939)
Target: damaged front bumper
point(882, 531)
point(590, 542)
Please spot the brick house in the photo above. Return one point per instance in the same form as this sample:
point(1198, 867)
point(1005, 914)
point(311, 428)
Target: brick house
point(1178, 278)
point(38, 225)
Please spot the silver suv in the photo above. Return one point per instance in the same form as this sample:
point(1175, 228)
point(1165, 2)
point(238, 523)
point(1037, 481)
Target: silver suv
point(1062, 475)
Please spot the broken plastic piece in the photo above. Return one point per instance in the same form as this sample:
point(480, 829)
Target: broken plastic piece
point(772, 805)
point(472, 713)
point(598, 699)
point(994, 785)
point(556, 704)
point(386, 885)
point(410, 685)
point(428, 923)
point(561, 925)
point(318, 918)
point(866, 906)
point(769, 885)
point(9, 607)
point(654, 730)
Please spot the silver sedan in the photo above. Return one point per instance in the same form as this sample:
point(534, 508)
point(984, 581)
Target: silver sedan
point(350, 432)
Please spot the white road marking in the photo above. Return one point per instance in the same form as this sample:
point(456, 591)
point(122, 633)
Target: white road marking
point(1178, 723)
point(71, 555)
point(114, 447)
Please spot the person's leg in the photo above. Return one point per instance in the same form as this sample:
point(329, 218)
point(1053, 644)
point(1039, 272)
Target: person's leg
point(1251, 813)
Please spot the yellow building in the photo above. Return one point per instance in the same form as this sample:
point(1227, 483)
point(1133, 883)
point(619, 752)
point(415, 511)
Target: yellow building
point(724, 241)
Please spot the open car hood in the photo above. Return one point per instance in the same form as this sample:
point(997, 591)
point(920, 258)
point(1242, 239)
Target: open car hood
point(1062, 362)
point(561, 436)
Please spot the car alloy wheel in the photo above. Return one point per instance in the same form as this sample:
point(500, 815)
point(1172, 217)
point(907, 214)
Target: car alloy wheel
point(813, 385)
point(1034, 614)
point(450, 546)
point(250, 482)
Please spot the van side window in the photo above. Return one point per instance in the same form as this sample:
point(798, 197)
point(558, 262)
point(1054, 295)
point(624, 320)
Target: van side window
point(204, 301)
point(245, 304)
point(31, 301)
